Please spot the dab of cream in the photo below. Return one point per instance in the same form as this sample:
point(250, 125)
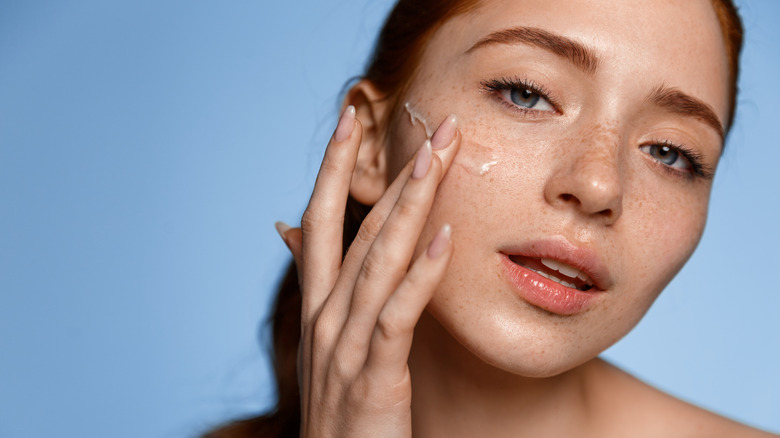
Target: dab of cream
point(415, 117)
point(477, 160)
point(485, 168)
point(474, 167)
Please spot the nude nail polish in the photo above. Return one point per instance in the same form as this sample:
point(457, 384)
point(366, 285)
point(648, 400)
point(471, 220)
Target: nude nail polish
point(445, 132)
point(346, 124)
point(282, 228)
point(423, 161)
point(440, 242)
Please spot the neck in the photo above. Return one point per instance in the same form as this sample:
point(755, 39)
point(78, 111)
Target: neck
point(458, 395)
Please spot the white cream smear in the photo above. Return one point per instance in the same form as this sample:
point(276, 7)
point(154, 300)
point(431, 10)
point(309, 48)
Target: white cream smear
point(475, 166)
point(415, 117)
point(485, 168)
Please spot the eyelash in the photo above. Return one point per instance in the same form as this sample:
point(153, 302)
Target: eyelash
point(499, 85)
point(695, 159)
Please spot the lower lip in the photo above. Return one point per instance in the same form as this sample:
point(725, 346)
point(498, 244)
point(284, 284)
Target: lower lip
point(545, 293)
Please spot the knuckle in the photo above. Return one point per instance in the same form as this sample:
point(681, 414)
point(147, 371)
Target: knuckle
point(312, 220)
point(323, 331)
point(375, 265)
point(420, 282)
point(407, 206)
point(342, 369)
point(369, 229)
point(392, 326)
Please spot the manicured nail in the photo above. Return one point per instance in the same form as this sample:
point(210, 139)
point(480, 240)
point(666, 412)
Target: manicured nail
point(346, 124)
point(423, 161)
point(445, 132)
point(282, 228)
point(440, 242)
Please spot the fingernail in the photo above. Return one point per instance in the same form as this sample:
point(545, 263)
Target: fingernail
point(423, 161)
point(440, 242)
point(445, 132)
point(282, 228)
point(346, 124)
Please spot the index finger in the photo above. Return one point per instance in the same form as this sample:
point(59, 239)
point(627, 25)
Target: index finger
point(323, 221)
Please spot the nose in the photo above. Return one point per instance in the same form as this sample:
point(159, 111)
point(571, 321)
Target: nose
point(587, 179)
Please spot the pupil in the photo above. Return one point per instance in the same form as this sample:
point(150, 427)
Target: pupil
point(525, 98)
point(666, 154)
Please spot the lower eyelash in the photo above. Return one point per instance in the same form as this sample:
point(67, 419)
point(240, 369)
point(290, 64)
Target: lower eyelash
point(698, 168)
point(496, 86)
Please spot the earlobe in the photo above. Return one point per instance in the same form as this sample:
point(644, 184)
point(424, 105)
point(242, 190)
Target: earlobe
point(369, 180)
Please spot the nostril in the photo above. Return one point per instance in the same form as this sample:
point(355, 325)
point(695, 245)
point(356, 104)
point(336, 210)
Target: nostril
point(567, 197)
point(591, 191)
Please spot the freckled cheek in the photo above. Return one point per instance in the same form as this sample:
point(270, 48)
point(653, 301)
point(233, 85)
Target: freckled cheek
point(669, 226)
point(461, 200)
point(496, 148)
point(658, 237)
point(683, 225)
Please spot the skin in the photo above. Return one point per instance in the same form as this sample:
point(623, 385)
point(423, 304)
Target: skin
point(485, 362)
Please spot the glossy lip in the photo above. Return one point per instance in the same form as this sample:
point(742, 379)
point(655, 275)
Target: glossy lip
point(551, 295)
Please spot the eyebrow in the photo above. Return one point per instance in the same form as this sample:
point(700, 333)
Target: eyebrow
point(664, 97)
point(677, 102)
point(573, 51)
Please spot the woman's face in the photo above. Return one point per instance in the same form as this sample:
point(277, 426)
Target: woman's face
point(590, 134)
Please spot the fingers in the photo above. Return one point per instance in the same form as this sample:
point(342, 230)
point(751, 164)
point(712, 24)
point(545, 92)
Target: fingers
point(322, 222)
point(388, 257)
point(371, 302)
point(377, 220)
point(292, 237)
point(390, 254)
point(391, 340)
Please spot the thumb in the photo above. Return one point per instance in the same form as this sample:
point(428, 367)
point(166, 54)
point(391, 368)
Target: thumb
point(293, 238)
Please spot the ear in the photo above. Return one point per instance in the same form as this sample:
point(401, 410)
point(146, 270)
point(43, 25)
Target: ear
point(369, 180)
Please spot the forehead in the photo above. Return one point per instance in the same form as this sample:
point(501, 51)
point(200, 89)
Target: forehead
point(642, 43)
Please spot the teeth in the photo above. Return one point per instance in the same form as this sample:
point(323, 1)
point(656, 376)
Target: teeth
point(552, 264)
point(556, 279)
point(566, 270)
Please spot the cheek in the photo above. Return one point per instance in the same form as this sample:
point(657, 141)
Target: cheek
point(666, 224)
point(661, 227)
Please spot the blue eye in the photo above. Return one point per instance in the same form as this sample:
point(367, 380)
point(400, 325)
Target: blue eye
point(668, 155)
point(527, 98)
point(522, 95)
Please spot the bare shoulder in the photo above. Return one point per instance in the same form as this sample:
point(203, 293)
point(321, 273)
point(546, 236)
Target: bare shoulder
point(631, 407)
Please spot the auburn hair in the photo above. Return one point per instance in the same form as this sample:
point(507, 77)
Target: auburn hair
point(391, 69)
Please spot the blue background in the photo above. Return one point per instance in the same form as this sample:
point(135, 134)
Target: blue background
point(146, 149)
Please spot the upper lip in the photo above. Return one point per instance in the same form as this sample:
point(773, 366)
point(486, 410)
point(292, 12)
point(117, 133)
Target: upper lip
point(561, 249)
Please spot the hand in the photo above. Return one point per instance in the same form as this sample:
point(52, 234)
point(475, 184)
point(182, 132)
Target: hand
point(358, 316)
